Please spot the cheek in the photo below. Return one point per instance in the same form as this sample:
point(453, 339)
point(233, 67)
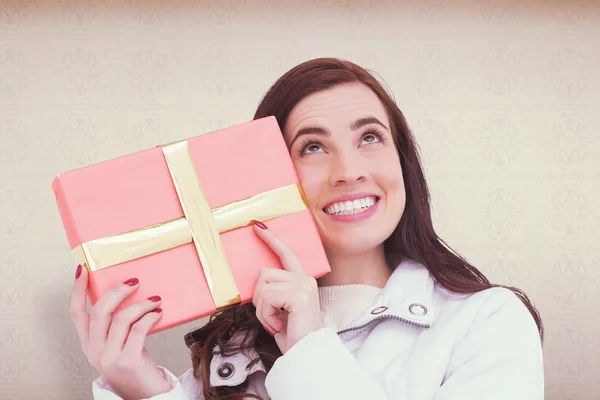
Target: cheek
point(390, 175)
point(313, 181)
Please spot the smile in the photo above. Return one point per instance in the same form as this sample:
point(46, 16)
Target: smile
point(351, 207)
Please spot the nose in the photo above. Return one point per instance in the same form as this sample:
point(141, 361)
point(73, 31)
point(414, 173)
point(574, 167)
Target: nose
point(346, 170)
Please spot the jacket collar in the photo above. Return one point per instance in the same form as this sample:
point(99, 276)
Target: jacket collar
point(407, 296)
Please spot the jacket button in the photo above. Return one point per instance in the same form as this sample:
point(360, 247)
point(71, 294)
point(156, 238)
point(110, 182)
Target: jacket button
point(225, 370)
point(379, 310)
point(417, 309)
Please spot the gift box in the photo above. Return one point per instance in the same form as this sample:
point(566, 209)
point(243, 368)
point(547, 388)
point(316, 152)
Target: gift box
point(178, 217)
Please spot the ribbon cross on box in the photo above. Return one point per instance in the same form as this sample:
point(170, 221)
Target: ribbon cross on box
point(200, 225)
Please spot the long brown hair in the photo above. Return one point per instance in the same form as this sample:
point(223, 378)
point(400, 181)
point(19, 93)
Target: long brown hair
point(413, 238)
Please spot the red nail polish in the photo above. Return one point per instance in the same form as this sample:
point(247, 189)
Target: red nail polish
point(78, 271)
point(132, 282)
point(154, 298)
point(260, 224)
point(158, 310)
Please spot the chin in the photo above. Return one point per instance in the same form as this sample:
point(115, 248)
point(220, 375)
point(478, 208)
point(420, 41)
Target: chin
point(357, 237)
point(352, 243)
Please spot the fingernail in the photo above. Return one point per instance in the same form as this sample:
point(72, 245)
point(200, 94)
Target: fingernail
point(132, 282)
point(78, 271)
point(158, 310)
point(259, 224)
point(154, 298)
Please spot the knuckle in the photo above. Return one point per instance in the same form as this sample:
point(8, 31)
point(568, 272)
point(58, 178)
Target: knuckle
point(280, 244)
point(120, 319)
point(99, 310)
point(139, 328)
point(264, 274)
point(309, 284)
point(303, 296)
point(95, 359)
point(306, 291)
point(73, 313)
point(109, 301)
point(264, 296)
point(258, 290)
point(106, 363)
point(288, 258)
point(256, 300)
point(124, 364)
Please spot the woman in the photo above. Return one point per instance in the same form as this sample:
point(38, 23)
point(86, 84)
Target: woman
point(400, 316)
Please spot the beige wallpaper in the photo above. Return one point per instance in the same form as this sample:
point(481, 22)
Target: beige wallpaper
point(503, 97)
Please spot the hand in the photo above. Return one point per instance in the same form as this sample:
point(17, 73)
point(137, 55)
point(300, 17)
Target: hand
point(114, 344)
point(286, 301)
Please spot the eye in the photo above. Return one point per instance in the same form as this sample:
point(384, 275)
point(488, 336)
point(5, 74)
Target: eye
point(310, 147)
point(372, 136)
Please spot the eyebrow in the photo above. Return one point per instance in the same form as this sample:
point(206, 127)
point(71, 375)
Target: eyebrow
point(317, 130)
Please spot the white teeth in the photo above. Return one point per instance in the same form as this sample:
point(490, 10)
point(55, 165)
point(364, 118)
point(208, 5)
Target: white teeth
point(351, 207)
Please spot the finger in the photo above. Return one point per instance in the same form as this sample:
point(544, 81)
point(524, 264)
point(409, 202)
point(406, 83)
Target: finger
point(269, 275)
point(121, 323)
point(271, 307)
point(278, 296)
point(286, 255)
point(261, 305)
point(139, 331)
point(271, 317)
point(103, 309)
point(77, 308)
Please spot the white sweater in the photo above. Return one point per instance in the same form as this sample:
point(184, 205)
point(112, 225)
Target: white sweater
point(341, 304)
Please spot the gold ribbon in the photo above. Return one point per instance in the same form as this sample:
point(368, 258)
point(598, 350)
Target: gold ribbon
point(200, 224)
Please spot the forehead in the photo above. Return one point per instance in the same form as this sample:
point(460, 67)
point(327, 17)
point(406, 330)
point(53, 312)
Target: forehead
point(338, 106)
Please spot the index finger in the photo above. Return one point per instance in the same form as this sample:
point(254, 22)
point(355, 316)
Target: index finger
point(77, 308)
point(286, 255)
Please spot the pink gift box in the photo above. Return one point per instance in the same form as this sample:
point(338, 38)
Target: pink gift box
point(118, 198)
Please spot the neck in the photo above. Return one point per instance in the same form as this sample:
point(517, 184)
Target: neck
point(368, 268)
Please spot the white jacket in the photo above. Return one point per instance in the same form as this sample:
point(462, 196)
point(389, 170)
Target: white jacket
point(416, 342)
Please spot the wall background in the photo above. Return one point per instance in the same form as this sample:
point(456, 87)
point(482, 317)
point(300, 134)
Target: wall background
point(503, 97)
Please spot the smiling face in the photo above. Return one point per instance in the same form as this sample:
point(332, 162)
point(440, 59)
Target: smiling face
point(343, 150)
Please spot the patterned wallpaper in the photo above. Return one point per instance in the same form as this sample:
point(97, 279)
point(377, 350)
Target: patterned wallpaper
point(503, 97)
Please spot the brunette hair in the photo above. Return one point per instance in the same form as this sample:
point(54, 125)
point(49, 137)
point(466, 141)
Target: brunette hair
point(413, 238)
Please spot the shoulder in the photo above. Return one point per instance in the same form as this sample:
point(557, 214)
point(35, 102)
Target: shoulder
point(412, 282)
point(494, 315)
point(490, 301)
point(491, 336)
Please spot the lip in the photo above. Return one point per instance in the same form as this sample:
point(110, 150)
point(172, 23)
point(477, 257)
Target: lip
point(355, 217)
point(350, 197)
